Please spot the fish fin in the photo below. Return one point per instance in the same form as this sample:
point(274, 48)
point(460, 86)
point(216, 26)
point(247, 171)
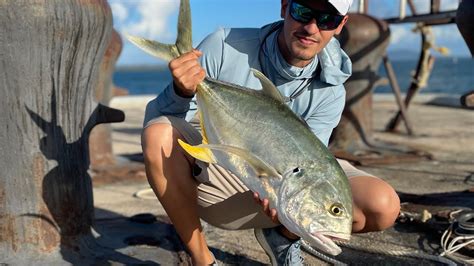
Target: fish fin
point(164, 51)
point(203, 129)
point(183, 43)
point(267, 86)
point(262, 168)
point(199, 152)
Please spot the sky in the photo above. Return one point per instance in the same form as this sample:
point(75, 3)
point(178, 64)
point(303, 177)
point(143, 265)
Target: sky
point(157, 19)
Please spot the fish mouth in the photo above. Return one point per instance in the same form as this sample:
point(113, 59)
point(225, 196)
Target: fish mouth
point(333, 236)
point(325, 241)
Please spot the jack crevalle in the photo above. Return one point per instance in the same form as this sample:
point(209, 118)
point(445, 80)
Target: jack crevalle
point(257, 137)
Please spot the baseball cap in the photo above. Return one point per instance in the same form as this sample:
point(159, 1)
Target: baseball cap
point(342, 6)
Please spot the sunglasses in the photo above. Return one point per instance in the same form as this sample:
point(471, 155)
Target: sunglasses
point(304, 14)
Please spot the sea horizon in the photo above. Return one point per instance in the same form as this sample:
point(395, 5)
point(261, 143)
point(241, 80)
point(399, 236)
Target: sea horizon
point(450, 75)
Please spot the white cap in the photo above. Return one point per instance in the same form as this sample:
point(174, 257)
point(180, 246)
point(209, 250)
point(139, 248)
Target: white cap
point(342, 6)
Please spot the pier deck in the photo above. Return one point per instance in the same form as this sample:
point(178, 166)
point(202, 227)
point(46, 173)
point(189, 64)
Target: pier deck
point(442, 128)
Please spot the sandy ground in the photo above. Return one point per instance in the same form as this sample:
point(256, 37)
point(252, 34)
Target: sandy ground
point(441, 127)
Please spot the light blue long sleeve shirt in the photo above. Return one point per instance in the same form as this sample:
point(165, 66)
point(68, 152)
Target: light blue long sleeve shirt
point(229, 54)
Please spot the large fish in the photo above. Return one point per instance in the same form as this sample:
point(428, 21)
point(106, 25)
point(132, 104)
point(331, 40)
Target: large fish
point(256, 136)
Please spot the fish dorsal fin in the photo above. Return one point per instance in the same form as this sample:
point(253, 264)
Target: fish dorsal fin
point(199, 152)
point(267, 86)
point(262, 168)
point(203, 129)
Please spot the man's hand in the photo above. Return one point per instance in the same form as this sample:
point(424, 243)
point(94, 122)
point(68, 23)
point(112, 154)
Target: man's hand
point(272, 213)
point(187, 73)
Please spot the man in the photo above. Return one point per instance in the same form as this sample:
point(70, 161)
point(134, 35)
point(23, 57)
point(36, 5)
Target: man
point(305, 62)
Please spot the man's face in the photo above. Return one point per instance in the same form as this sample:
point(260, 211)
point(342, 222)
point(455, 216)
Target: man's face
point(300, 42)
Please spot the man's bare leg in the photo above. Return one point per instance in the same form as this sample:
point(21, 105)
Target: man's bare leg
point(376, 204)
point(168, 171)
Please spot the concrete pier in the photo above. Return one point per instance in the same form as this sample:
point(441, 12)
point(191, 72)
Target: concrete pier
point(442, 128)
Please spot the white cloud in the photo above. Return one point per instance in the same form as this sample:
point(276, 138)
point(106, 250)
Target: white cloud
point(402, 34)
point(119, 11)
point(423, 6)
point(152, 18)
point(448, 32)
point(448, 5)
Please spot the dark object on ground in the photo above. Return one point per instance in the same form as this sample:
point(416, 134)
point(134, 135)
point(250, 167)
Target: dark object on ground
point(144, 218)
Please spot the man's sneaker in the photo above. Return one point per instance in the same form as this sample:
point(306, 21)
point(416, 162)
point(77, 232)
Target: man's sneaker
point(281, 250)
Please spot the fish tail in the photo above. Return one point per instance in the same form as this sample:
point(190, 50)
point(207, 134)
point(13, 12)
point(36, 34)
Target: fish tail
point(183, 43)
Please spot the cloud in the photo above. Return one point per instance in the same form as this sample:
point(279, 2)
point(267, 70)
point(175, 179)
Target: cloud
point(447, 32)
point(152, 19)
point(402, 33)
point(119, 12)
point(447, 5)
point(423, 6)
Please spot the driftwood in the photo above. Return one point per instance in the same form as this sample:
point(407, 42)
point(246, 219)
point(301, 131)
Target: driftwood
point(51, 53)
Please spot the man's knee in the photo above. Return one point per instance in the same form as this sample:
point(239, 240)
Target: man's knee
point(377, 200)
point(385, 207)
point(158, 141)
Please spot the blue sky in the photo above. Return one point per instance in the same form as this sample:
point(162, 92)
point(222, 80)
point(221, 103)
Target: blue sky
point(156, 19)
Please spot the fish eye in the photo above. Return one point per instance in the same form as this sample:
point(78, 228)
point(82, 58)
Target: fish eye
point(298, 171)
point(336, 209)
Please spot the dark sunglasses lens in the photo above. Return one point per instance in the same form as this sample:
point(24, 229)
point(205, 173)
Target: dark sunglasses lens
point(304, 14)
point(327, 21)
point(300, 13)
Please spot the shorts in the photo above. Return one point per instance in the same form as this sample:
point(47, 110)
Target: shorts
point(223, 200)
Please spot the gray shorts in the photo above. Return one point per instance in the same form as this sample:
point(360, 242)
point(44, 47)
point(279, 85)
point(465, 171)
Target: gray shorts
point(223, 200)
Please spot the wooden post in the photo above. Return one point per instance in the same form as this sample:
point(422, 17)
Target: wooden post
point(51, 52)
point(100, 140)
point(365, 40)
point(421, 77)
point(397, 93)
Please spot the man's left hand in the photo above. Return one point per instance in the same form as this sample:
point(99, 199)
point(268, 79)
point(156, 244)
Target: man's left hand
point(271, 212)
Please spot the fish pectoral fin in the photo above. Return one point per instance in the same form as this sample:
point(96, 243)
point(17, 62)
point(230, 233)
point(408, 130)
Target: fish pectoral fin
point(199, 152)
point(267, 86)
point(262, 168)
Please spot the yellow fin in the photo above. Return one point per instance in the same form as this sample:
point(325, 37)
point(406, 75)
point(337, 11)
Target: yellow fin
point(203, 129)
point(200, 153)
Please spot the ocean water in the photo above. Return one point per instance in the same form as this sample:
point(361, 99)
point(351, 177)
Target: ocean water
point(453, 76)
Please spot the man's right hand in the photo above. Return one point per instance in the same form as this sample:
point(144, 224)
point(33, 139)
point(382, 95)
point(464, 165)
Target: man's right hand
point(187, 73)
